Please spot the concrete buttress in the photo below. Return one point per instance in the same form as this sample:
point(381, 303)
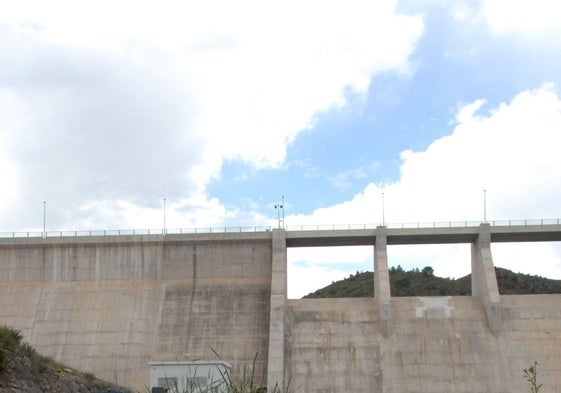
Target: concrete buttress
point(275, 370)
point(382, 281)
point(483, 278)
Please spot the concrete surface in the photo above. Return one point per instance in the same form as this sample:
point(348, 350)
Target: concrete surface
point(100, 306)
point(438, 344)
point(118, 302)
point(275, 374)
point(382, 290)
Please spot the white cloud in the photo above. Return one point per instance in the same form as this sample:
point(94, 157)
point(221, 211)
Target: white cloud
point(539, 18)
point(312, 268)
point(345, 179)
point(8, 179)
point(466, 113)
point(330, 255)
point(134, 102)
point(447, 260)
point(307, 279)
point(511, 151)
point(477, 27)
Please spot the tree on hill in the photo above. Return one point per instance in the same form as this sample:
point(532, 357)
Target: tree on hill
point(425, 283)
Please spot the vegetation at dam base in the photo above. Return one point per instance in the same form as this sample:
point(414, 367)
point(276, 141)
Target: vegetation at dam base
point(424, 283)
point(22, 369)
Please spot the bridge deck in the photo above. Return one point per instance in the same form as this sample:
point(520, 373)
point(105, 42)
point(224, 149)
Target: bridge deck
point(321, 237)
point(397, 236)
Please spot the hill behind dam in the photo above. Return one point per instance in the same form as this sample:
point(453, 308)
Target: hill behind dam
point(424, 283)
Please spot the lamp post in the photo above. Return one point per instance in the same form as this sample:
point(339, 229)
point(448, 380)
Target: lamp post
point(283, 211)
point(485, 206)
point(44, 219)
point(279, 207)
point(164, 233)
point(383, 212)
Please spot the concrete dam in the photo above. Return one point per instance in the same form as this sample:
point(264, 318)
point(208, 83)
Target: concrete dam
point(106, 303)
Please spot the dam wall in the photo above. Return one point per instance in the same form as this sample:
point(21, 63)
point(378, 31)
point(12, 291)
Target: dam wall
point(438, 344)
point(106, 304)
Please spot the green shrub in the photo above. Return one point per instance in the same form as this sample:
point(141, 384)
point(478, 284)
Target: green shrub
point(3, 360)
point(89, 376)
point(10, 338)
point(39, 363)
point(28, 351)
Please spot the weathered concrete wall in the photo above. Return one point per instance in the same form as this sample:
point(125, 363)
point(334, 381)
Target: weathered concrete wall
point(438, 344)
point(334, 345)
point(135, 257)
point(102, 305)
point(106, 303)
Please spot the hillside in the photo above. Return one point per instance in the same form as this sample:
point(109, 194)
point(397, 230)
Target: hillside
point(424, 283)
point(23, 370)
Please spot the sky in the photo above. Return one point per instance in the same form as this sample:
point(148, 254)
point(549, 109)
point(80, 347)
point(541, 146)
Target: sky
point(357, 112)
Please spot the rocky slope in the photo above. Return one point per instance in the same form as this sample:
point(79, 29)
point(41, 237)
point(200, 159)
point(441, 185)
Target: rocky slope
point(22, 369)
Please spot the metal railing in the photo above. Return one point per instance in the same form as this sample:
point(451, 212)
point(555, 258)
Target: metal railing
point(265, 228)
point(130, 232)
point(414, 225)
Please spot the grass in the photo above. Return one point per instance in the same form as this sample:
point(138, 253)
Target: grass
point(531, 375)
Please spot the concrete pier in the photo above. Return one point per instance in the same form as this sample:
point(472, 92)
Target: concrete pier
point(484, 280)
point(382, 282)
point(276, 362)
